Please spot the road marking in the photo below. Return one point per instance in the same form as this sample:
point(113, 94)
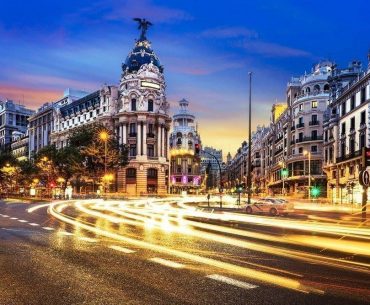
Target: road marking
point(230, 281)
point(166, 262)
point(88, 239)
point(5, 216)
point(48, 228)
point(33, 224)
point(13, 218)
point(122, 249)
point(65, 233)
point(21, 220)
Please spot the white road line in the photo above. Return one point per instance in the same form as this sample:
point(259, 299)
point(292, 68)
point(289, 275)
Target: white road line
point(21, 220)
point(13, 218)
point(33, 224)
point(65, 233)
point(231, 281)
point(88, 239)
point(122, 249)
point(48, 228)
point(166, 262)
point(5, 216)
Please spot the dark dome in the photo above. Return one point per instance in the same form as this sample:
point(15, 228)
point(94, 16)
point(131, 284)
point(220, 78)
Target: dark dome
point(140, 55)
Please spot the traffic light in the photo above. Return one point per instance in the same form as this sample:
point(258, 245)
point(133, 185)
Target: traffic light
point(197, 148)
point(365, 157)
point(52, 184)
point(284, 172)
point(315, 191)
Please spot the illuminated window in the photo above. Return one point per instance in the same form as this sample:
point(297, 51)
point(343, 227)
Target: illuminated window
point(314, 104)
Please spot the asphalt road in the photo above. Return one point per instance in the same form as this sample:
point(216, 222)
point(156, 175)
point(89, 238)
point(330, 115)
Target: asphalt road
point(45, 260)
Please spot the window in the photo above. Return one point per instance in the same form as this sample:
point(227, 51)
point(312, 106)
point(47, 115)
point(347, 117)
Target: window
point(343, 128)
point(314, 118)
point(300, 107)
point(132, 129)
point(362, 140)
point(342, 172)
point(150, 149)
point(314, 134)
point(351, 170)
point(133, 104)
point(353, 102)
point(363, 94)
point(189, 169)
point(334, 175)
point(150, 106)
point(152, 173)
point(178, 161)
point(352, 146)
point(132, 150)
point(343, 149)
point(314, 148)
point(300, 150)
point(131, 173)
point(352, 123)
point(344, 108)
point(363, 117)
point(314, 104)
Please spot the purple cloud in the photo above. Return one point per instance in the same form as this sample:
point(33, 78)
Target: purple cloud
point(273, 49)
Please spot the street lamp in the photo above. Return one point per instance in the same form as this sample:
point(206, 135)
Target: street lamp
point(309, 173)
point(104, 137)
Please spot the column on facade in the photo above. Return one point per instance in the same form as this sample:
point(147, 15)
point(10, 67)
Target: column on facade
point(162, 141)
point(120, 137)
point(124, 134)
point(138, 141)
point(159, 141)
point(144, 139)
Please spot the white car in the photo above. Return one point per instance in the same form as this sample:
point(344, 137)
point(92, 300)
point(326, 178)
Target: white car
point(272, 206)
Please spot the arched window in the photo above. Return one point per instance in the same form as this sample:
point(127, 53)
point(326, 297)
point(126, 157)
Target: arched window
point(152, 173)
point(326, 87)
point(316, 88)
point(308, 90)
point(133, 104)
point(179, 141)
point(150, 106)
point(131, 173)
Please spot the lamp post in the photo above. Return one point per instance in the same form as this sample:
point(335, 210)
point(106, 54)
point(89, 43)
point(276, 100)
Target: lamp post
point(250, 139)
point(309, 173)
point(104, 137)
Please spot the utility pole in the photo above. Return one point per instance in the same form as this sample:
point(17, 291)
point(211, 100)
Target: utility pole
point(249, 186)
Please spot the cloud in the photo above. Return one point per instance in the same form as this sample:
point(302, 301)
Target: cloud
point(273, 49)
point(32, 97)
point(145, 9)
point(229, 32)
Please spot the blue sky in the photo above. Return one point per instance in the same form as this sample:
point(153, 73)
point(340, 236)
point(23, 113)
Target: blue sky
point(206, 47)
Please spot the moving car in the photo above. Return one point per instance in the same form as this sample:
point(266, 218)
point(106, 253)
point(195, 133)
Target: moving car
point(272, 206)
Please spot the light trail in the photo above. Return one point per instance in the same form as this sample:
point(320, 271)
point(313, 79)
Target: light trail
point(242, 271)
point(272, 250)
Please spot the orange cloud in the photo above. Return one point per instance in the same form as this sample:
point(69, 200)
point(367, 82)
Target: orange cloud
point(30, 97)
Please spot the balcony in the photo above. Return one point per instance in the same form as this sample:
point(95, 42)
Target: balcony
point(314, 123)
point(278, 151)
point(300, 125)
point(132, 134)
point(309, 139)
point(278, 139)
point(292, 128)
point(349, 156)
point(150, 135)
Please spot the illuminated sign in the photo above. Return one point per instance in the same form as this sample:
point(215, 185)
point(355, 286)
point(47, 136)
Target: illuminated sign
point(184, 179)
point(150, 85)
point(196, 180)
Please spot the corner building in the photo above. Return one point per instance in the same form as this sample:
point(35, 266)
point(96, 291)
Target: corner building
point(142, 122)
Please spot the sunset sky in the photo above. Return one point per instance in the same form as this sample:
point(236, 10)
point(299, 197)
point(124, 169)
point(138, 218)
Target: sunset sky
point(206, 47)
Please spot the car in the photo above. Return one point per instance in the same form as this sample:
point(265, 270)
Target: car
point(268, 205)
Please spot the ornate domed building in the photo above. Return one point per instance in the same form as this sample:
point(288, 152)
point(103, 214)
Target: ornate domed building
point(185, 147)
point(142, 121)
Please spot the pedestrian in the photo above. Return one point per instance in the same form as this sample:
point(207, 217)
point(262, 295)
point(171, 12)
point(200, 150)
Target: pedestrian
point(208, 197)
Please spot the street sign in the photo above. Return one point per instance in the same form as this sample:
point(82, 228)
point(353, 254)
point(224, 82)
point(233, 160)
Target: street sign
point(364, 178)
